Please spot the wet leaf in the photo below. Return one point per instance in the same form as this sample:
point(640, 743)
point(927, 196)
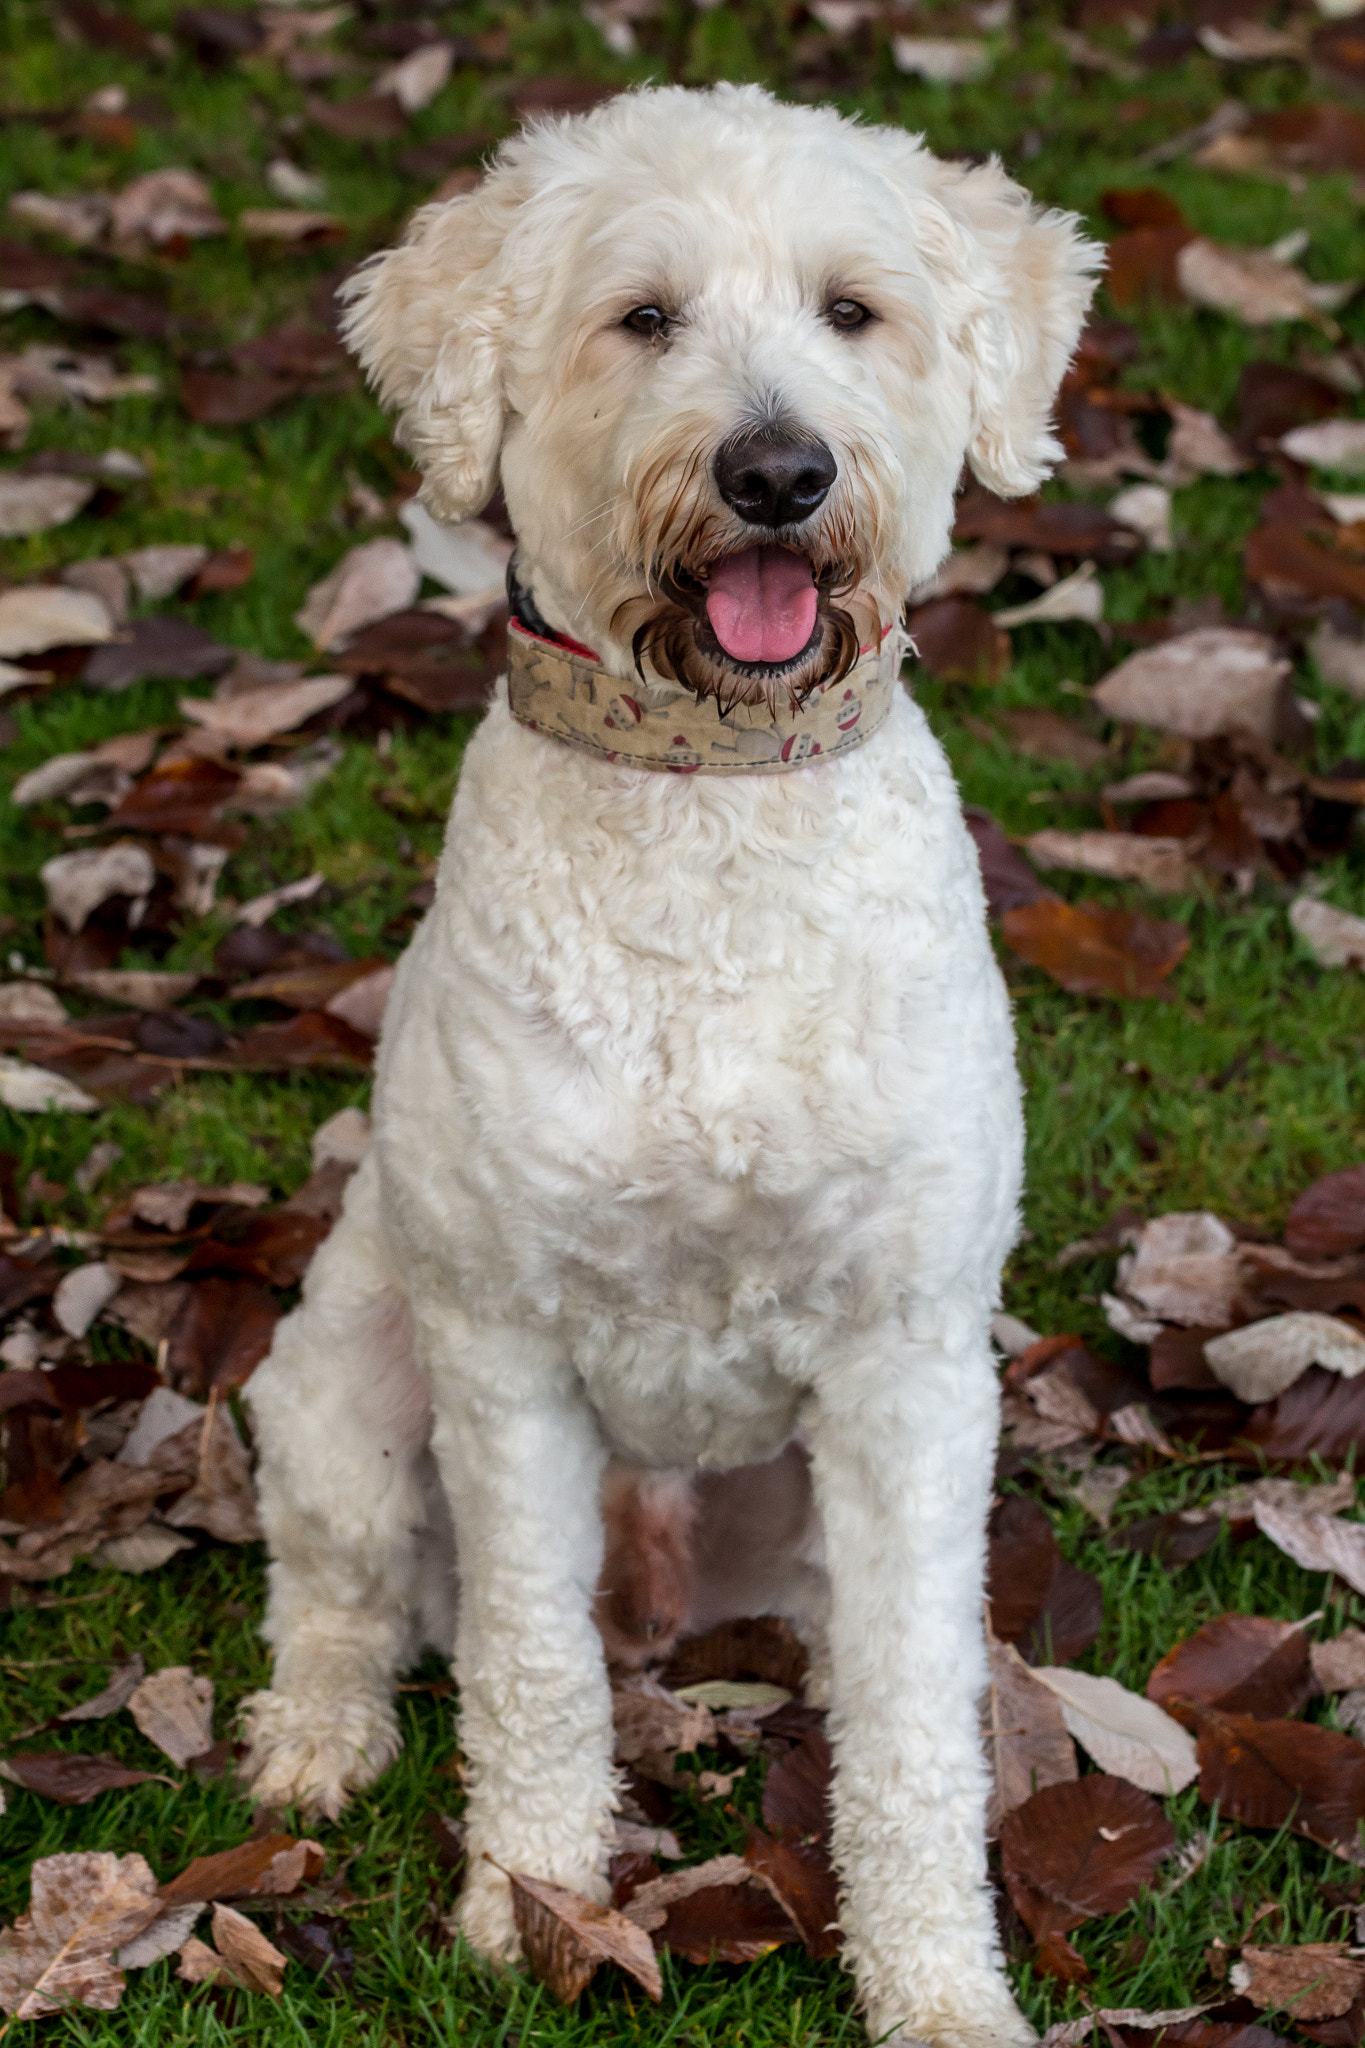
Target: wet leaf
point(567, 1938)
point(1091, 950)
point(1242, 1664)
point(1272, 1774)
point(310, 1039)
point(1143, 265)
point(765, 1650)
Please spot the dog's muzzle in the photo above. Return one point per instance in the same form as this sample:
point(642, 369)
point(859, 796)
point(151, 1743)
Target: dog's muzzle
point(564, 691)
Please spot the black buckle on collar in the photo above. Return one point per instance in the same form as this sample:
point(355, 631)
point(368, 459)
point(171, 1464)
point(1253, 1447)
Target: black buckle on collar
point(522, 605)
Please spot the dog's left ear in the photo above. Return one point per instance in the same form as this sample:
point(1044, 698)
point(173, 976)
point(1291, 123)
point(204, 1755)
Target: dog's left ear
point(427, 321)
point(1016, 283)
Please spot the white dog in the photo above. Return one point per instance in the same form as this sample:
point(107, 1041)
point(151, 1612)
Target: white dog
point(696, 1119)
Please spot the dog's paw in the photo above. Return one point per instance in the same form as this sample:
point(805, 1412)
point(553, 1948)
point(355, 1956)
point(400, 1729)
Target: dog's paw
point(315, 1754)
point(485, 1918)
point(981, 2013)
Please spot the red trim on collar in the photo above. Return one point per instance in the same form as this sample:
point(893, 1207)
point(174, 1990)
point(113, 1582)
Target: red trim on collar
point(561, 640)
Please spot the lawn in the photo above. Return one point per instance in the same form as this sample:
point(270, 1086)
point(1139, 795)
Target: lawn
point(1233, 1095)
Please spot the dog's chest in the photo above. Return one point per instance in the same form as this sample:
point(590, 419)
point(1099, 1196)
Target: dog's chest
point(681, 1083)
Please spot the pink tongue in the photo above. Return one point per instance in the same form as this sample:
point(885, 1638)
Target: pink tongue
point(761, 604)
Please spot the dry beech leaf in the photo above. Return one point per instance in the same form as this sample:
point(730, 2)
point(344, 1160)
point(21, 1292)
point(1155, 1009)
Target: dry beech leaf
point(1184, 1268)
point(1339, 1665)
point(1198, 444)
point(35, 504)
point(1327, 444)
point(374, 580)
point(1334, 937)
point(1047, 736)
point(1320, 1543)
point(1006, 876)
point(1077, 2033)
point(1079, 596)
point(1026, 1737)
point(650, 1720)
point(801, 1878)
point(82, 1907)
point(796, 1792)
point(567, 1938)
point(74, 1780)
point(174, 1709)
point(124, 1681)
point(1320, 1416)
point(1260, 1360)
point(1127, 1735)
point(259, 715)
point(1314, 1980)
point(1272, 1774)
point(268, 1867)
point(1214, 680)
point(1251, 284)
point(1161, 864)
point(648, 1907)
point(1328, 1219)
point(37, 616)
point(958, 641)
point(1240, 1663)
point(1091, 950)
point(243, 1957)
point(1075, 1851)
point(720, 1911)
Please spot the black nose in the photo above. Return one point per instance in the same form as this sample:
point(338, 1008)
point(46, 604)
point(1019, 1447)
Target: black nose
point(774, 477)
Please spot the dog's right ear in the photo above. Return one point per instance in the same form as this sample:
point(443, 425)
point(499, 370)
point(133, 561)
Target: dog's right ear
point(427, 321)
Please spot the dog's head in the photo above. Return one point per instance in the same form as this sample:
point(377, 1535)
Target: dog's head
point(728, 356)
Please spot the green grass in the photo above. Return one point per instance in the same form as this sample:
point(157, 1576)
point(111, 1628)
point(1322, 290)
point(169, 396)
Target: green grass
point(1123, 1106)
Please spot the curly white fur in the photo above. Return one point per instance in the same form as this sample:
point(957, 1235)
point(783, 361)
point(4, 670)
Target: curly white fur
point(696, 1114)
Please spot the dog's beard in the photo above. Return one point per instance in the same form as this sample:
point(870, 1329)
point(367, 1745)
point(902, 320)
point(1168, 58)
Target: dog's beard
point(670, 629)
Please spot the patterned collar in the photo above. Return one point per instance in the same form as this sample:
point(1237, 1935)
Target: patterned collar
point(562, 690)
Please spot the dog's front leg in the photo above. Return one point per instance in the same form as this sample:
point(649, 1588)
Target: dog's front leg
point(902, 1440)
point(521, 1460)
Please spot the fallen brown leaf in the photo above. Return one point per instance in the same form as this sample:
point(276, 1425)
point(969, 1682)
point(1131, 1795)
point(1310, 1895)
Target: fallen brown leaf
point(244, 1956)
point(1091, 950)
point(173, 1708)
point(1315, 1980)
point(1291, 561)
point(1076, 1850)
point(230, 398)
point(801, 1878)
point(1218, 679)
point(1242, 1664)
point(567, 1938)
point(269, 1866)
point(1273, 1774)
point(1026, 1738)
point(1160, 864)
point(1320, 1416)
point(1328, 1218)
point(958, 642)
point(83, 1906)
point(73, 1780)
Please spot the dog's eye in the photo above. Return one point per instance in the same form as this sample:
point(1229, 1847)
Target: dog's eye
point(847, 314)
point(647, 320)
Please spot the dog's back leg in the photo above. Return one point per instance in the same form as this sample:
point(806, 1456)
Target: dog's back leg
point(342, 1423)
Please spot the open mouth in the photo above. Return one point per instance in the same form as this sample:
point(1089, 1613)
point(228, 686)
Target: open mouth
point(762, 625)
point(762, 605)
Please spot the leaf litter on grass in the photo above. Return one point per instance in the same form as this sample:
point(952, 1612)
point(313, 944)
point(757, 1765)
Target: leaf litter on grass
point(1246, 805)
